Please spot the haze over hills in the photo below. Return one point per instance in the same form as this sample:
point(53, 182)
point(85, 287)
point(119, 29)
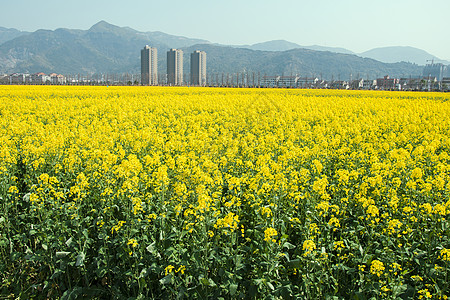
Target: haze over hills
point(7, 34)
point(399, 53)
point(108, 48)
point(282, 45)
point(383, 54)
point(303, 62)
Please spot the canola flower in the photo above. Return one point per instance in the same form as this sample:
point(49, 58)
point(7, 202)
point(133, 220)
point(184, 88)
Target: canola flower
point(269, 233)
point(445, 254)
point(169, 269)
point(377, 267)
point(309, 246)
point(203, 178)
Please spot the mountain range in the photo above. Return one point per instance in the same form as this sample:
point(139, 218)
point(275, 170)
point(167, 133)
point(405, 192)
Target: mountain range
point(106, 48)
point(383, 54)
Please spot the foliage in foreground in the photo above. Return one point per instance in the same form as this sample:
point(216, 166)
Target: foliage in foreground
point(209, 193)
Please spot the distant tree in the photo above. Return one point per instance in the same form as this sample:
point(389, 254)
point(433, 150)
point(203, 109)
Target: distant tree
point(423, 84)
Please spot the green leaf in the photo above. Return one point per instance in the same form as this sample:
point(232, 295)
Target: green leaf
point(68, 242)
point(150, 248)
point(143, 273)
point(207, 282)
point(45, 247)
point(61, 254)
point(295, 263)
point(72, 294)
point(233, 289)
point(167, 279)
point(288, 246)
point(80, 259)
point(56, 274)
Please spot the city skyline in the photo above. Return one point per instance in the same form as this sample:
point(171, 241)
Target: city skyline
point(175, 73)
point(327, 23)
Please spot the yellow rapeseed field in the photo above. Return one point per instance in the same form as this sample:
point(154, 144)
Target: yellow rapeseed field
point(156, 192)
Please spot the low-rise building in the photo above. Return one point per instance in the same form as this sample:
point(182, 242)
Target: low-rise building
point(387, 83)
point(57, 78)
point(368, 84)
point(40, 78)
point(288, 81)
point(339, 84)
point(307, 82)
point(446, 83)
point(4, 78)
point(270, 81)
point(19, 78)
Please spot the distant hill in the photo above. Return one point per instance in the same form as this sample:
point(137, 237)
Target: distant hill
point(303, 62)
point(7, 34)
point(102, 48)
point(277, 45)
point(398, 54)
point(331, 49)
point(106, 48)
point(283, 45)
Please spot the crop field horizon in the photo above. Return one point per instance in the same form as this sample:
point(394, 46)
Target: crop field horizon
point(164, 193)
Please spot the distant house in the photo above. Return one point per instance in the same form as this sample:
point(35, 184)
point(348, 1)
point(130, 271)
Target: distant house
point(307, 82)
point(57, 78)
point(387, 83)
point(368, 84)
point(40, 78)
point(270, 81)
point(19, 78)
point(288, 81)
point(446, 83)
point(339, 84)
point(4, 78)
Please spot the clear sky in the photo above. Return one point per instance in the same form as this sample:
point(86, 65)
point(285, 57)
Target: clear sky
point(357, 25)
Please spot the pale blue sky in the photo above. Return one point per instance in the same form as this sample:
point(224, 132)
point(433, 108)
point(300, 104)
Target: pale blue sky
point(355, 25)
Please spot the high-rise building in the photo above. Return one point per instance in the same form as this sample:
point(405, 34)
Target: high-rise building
point(198, 68)
point(175, 67)
point(435, 70)
point(149, 66)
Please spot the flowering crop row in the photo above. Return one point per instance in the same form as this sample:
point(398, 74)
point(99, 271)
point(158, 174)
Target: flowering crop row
point(234, 193)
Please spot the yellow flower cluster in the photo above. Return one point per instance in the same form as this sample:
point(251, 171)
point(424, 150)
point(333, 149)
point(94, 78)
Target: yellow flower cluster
point(181, 269)
point(116, 228)
point(445, 254)
point(230, 221)
point(269, 233)
point(308, 246)
point(377, 267)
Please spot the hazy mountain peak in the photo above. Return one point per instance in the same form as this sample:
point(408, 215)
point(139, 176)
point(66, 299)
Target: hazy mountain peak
point(103, 26)
point(7, 34)
point(275, 45)
point(283, 45)
point(330, 49)
point(394, 54)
